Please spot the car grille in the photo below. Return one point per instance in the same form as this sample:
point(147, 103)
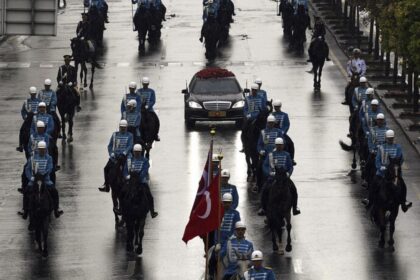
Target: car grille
point(217, 105)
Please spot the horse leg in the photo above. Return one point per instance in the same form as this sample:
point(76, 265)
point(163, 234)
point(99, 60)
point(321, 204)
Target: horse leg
point(70, 131)
point(45, 225)
point(130, 234)
point(91, 78)
point(136, 230)
point(391, 231)
point(273, 237)
point(142, 223)
point(63, 125)
point(320, 74)
point(289, 228)
point(115, 204)
point(315, 67)
point(84, 72)
point(38, 237)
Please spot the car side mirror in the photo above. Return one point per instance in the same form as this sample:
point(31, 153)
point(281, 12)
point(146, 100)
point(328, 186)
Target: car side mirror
point(184, 91)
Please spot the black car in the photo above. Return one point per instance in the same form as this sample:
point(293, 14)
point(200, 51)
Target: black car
point(213, 94)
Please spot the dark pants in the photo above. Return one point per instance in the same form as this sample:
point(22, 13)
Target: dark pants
point(106, 172)
point(227, 276)
point(53, 151)
point(266, 192)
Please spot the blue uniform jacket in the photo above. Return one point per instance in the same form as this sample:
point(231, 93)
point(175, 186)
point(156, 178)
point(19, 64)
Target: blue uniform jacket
point(30, 105)
point(254, 105)
point(138, 165)
point(277, 159)
point(41, 165)
point(376, 137)
point(385, 152)
point(127, 97)
point(228, 188)
point(263, 94)
point(233, 250)
point(133, 118)
point(120, 143)
point(368, 118)
point(35, 138)
point(267, 139)
point(261, 273)
point(49, 97)
point(48, 121)
point(228, 225)
point(283, 121)
point(358, 96)
point(147, 97)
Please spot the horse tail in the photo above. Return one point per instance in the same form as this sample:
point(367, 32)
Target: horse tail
point(345, 147)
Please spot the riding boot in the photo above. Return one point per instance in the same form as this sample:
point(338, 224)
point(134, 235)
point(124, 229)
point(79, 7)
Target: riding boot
point(54, 196)
point(106, 186)
point(293, 192)
point(346, 98)
point(24, 213)
point(151, 202)
point(403, 197)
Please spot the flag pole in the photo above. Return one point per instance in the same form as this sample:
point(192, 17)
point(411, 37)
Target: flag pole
point(210, 179)
point(219, 211)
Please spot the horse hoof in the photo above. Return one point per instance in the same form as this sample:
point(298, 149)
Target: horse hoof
point(288, 248)
point(280, 252)
point(70, 139)
point(139, 250)
point(91, 86)
point(392, 248)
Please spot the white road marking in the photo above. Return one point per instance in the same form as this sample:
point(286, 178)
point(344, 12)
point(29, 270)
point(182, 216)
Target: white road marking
point(174, 64)
point(123, 64)
point(19, 65)
point(130, 267)
point(46, 65)
point(297, 266)
point(3, 64)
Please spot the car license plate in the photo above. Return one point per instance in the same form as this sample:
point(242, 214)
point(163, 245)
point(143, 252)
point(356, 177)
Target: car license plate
point(217, 114)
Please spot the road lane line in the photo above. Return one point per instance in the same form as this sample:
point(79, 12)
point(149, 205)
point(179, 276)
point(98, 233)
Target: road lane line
point(123, 64)
point(297, 266)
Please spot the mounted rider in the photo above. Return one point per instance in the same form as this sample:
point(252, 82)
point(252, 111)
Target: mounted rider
point(236, 249)
point(319, 28)
point(43, 116)
point(266, 141)
point(131, 95)
point(31, 104)
point(119, 146)
point(368, 116)
point(156, 7)
point(376, 135)
point(41, 164)
point(283, 123)
point(210, 7)
point(139, 165)
point(83, 29)
point(49, 97)
point(254, 104)
point(102, 7)
point(261, 92)
point(133, 118)
point(35, 138)
point(67, 76)
point(360, 94)
point(276, 159)
point(387, 151)
point(148, 100)
point(258, 271)
point(225, 187)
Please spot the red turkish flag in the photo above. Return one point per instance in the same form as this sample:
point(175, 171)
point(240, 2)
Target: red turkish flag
point(205, 216)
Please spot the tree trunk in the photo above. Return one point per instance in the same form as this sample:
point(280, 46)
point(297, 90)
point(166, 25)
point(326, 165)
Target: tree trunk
point(376, 40)
point(387, 63)
point(410, 82)
point(403, 71)
point(395, 69)
point(358, 26)
point(416, 92)
point(372, 24)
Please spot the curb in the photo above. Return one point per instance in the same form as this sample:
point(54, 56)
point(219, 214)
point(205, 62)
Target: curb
point(380, 97)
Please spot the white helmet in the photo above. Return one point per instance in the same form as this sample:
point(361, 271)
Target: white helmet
point(277, 103)
point(257, 256)
point(356, 50)
point(362, 80)
point(215, 157)
point(132, 85)
point(225, 173)
point(255, 86)
point(42, 145)
point(42, 104)
point(380, 116)
point(390, 133)
point(40, 124)
point(137, 148)
point(240, 224)
point(271, 118)
point(47, 82)
point(132, 102)
point(32, 90)
point(374, 102)
point(370, 91)
point(258, 81)
point(279, 141)
point(145, 80)
point(227, 197)
point(123, 123)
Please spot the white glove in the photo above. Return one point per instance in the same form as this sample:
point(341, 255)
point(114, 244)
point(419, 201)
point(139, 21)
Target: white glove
point(127, 177)
point(147, 107)
point(367, 133)
point(60, 83)
point(287, 174)
point(112, 155)
point(217, 247)
point(124, 153)
point(248, 116)
point(32, 179)
point(383, 168)
point(262, 152)
point(70, 84)
point(272, 173)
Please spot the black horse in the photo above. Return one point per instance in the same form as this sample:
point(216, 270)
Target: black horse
point(285, 9)
point(149, 129)
point(66, 103)
point(135, 207)
point(40, 208)
point(300, 22)
point(25, 134)
point(211, 33)
point(97, 25)
point(149, 22)
point(224, 17)
point(116, 182)
point(83, 52)
point(279, 208)
point(318, 53)
point(349, 90)
point(387, 200)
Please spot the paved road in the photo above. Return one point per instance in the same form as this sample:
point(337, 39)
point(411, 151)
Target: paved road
point(332, 238)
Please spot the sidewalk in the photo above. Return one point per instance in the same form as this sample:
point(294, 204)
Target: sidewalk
point(392, 97)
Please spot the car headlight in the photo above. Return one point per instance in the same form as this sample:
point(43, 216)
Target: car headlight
point(239, 104)
point(194, 105)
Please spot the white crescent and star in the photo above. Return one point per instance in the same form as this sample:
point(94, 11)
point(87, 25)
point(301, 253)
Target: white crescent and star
point(208, 206)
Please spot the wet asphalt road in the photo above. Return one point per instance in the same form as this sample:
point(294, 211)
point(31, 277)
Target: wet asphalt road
point(332, 238)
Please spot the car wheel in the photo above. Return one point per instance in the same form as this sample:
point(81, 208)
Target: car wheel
point(239, 124)
point(189, 123)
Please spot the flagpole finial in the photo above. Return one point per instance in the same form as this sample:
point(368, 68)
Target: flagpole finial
point(212, 131)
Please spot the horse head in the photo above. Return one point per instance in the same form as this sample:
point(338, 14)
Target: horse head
point(281, 175)
point(393, 171)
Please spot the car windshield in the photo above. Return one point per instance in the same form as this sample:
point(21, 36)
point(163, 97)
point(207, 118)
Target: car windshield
point(215, 86)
